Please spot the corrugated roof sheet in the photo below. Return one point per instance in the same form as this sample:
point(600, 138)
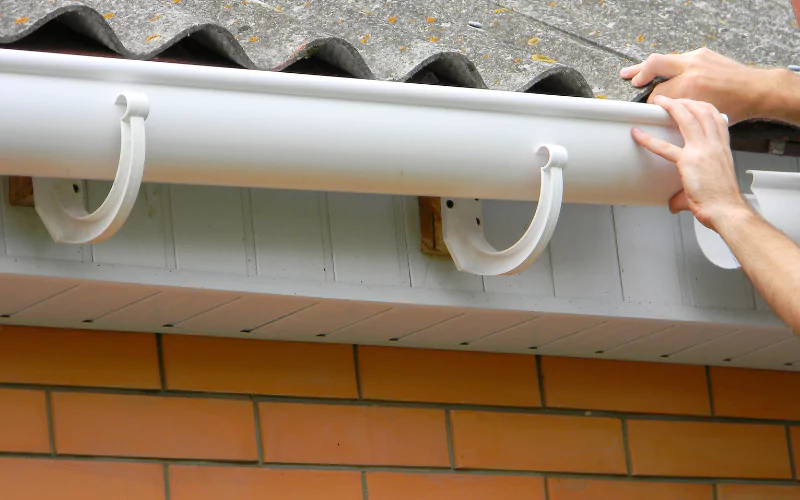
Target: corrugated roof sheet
point(568, 47)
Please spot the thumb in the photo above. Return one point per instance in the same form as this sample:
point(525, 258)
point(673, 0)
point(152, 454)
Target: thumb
point(679, 203)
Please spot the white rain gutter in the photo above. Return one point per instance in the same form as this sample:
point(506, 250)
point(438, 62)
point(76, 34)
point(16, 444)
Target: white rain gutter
point(64, 117)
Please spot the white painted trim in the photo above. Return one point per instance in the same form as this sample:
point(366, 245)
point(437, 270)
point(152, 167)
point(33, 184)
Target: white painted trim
point(385, 294)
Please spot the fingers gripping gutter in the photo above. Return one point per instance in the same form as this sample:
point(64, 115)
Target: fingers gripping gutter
point(704, 162)
point(664, 65)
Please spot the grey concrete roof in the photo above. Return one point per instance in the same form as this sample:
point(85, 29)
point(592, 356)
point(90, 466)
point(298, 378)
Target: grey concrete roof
point(509, 45)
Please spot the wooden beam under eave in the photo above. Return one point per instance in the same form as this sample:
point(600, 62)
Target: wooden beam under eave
point(20, 191)
point(430, 223)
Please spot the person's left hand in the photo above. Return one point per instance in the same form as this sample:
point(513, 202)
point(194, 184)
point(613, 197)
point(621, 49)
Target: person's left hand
point(739, 91)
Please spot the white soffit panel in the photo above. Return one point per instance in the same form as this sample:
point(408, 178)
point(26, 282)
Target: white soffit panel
point(786, 354)
point(729, 347)
point(395, 323)
point(659, 346)
point(600, 338)
point(87, 302)
point(244, 314)
point(463, 329)
point(20, 292)
point(316, 320)
point(537, 332)
point(165, 309)
point(255, 315)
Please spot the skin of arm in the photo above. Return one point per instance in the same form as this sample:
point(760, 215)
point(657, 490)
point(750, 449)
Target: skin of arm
point(770, 259)
point(711, 192)
point(741, 92)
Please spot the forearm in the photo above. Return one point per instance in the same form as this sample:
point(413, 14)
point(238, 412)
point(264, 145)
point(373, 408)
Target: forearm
point(770, 259)
point(777, 96)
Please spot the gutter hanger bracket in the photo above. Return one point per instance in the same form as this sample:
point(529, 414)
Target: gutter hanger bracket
point(61, 206)
point(776, 196)
point(463, 233)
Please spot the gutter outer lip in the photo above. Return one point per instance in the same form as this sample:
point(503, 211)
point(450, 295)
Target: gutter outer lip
point(248, 80)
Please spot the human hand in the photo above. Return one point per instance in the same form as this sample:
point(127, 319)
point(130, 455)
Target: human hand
point(737, 90)
point(710, 189)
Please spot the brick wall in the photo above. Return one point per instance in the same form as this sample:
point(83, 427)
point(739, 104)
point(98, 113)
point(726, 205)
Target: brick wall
point(99, 415)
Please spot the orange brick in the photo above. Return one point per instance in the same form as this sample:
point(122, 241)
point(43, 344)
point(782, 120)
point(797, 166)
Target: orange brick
point(794, 436)
point(240, 483)
point(739, 392)
point(259, 367)
point(703, 449)
point(399, 374)
point(152, 426)
point(757, 492)
point(78, 357)
point(37, 479)
point(395, 486)
point(367, 435)
point(586, 489)
point(23, 421)
point(492, 440)
point(628, 386)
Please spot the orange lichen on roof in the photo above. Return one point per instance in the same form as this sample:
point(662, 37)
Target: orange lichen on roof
point(392, 19)
point(108, 15)
point(533, 41)
point(640, 38)
point(155, 18)
point(253, 39)
point(434, 39)
point(152, 37)
point(21, 20)
point(430, 19)
point(543, 58)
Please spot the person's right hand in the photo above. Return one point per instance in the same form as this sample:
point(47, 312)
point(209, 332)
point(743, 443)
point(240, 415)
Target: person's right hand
point(705, 163)
point(737, 90)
